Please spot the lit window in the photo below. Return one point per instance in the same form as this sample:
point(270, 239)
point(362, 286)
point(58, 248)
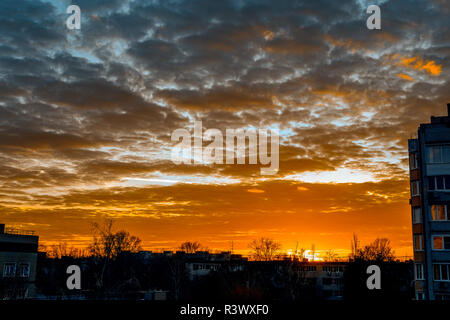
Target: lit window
point(418, 271)
point(441, 242)
point(438, 212)
point(438, 244)
point(417, 239)
point(417, 215)
point(9, 270)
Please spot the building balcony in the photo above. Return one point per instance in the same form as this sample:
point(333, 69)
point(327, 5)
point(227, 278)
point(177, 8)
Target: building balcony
point(439, 196)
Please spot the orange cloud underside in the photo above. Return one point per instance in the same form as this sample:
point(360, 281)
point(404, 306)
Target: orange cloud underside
point(418, 63)
point(405, 76)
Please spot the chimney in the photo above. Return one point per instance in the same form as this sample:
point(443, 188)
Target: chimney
point(2, 228)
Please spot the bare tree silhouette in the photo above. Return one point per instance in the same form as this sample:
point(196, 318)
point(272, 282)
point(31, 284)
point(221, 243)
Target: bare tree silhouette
point(378, 250)
point(330, 255)
point(354, 246)
point(190, 247)
point(264, 249)
point(107, 245)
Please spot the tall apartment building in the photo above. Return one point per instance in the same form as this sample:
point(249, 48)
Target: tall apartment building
point(18, 258)
point(429, 161)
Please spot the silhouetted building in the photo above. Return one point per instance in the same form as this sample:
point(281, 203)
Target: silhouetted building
point(18, 256)
point(328, 278)
point(429, 160)
point(203, 263)
point(156, 295)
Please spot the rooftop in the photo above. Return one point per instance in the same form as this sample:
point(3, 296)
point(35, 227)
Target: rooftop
point(15, 231)
point(443, 119)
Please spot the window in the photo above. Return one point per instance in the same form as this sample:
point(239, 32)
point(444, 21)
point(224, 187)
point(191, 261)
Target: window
point(331, 281)
point(24, 270)
point(438, 154)
point(438, 243)
point(417, 215)
point(309, 268)
point(438, 183)
point(420, 296)
point(418, 271)
point(9, 270)
point(431, 183)
point(439, 212)
point(413, 161)
point(415, 190)
point(441, 242)
point(418, 244)
point(446, 153)
point(332, 269)
point(441, 272)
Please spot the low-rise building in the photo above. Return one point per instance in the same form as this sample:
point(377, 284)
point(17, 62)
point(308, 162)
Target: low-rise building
point(328, 278)
point(18, 258)
point(203, 263)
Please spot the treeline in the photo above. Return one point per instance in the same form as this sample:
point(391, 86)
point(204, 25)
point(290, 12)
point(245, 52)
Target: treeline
point(108, 244)
point(111, 269)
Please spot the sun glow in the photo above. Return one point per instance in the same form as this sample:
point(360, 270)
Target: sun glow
point(340, 175)
point(307, 254)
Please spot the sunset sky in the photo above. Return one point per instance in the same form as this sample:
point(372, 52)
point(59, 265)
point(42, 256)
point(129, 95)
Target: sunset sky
point(86, 117)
